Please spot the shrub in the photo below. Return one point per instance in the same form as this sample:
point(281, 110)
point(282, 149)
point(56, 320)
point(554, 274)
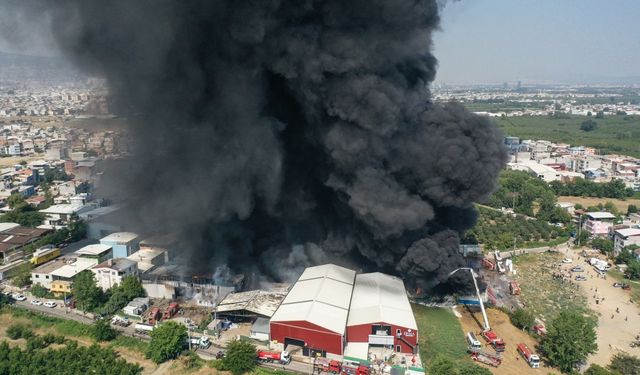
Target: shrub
point(17, 331)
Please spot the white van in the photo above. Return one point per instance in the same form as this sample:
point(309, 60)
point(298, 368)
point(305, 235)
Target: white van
point(473, 341)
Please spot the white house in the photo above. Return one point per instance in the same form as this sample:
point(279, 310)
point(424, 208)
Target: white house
point(598, 223)
point(60, 215)
point(625, 237)
point(112, 272)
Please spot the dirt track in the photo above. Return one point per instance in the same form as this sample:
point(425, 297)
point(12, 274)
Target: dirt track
point(512, 361)
point(614, 334)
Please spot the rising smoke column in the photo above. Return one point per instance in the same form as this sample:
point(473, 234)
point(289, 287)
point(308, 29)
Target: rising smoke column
point(275, 134)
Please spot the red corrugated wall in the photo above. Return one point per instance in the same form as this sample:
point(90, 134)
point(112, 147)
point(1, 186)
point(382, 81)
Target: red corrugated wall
point(315, 337)
point(360, 333)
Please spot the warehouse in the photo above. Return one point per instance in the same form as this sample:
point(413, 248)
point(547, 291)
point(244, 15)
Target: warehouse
point(381, 315)
point(314, 313)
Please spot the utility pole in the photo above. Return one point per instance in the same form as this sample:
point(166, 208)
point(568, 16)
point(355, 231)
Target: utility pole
point(579, 229)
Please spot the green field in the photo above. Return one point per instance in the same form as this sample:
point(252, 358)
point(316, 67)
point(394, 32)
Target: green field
point(615, 134)
point(440, 333)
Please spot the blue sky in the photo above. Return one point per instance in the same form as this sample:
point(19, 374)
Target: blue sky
point(485, 41)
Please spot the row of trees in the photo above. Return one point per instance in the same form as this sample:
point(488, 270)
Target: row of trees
point(524, 193)
point(580, 187)
point(90, 297)
point(497, 231)
point(621, 364)
point(70, 359)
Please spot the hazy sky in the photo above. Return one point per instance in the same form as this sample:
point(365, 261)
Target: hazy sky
point(561, 40)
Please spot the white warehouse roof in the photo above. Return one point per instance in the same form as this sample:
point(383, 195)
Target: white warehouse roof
point(601, 215)
point(380, 298)
point(95, 249)
point(321, 296)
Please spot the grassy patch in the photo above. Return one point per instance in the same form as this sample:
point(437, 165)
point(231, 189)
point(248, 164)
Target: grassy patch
point(270, 371)
point(615, 134)
point(131, 343)
point(440, 333)
point(541, 293)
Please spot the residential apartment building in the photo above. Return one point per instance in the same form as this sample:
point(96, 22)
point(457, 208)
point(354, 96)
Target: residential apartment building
point(123, 243)
point(112, 272)
point(625, 237)
point(598, 223)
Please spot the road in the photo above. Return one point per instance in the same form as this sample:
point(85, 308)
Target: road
point(206, 354)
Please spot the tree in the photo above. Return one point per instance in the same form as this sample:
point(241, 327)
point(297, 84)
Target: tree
point(40, 291)
point(597, 370)
point(442, 365)
point(602, 244)
point(632, 209)
point(102, 331)
point(633, 270)
point(240, 357)
point(588, 125)
point(473, 369)
point(578, 206)
point(570, 339)
point(167, 342)
point(625, 364)
point(88, 295)
point(600, 114)
point(23, 276)
point(522, 319)
point(131, 287)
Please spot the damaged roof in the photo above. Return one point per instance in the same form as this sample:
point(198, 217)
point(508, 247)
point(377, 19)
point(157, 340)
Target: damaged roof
point(259, 302)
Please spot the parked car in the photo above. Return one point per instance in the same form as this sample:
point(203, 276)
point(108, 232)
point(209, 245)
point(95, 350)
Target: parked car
point(622, 285)
point(567, 260)
point(36, 302)
point(577, 269)
point(50, 304)
point(581, 278)
point(19, 297)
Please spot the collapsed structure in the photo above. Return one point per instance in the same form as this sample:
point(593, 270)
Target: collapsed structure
point(332, 311)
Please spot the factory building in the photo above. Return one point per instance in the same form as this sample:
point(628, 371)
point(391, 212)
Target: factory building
point(331, 311)
point(313, 315)
point(380, 315)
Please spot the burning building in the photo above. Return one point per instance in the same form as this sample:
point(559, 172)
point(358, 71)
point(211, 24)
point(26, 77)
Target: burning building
point(272, 135)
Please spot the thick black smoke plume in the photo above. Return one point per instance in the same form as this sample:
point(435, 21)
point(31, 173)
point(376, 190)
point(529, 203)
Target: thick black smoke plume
point(274, 134)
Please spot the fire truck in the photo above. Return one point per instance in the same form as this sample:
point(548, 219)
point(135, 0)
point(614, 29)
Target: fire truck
point(326, 365)
point(532, 359)
point(495, 341)
point(171, 310)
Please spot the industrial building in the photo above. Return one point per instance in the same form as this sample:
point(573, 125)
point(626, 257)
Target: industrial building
point(331, 311)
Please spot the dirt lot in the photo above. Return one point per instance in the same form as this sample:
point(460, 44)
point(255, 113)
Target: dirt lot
point(543, 294)
point(586, 202)
point(615, 329)
point(512, 361)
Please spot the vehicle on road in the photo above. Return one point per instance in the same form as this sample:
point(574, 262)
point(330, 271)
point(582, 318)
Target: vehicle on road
point(495, 341)
point(577, 269)
point(50, 304)
point(36, 302)
point(143, 328)
point(267, 356)
point(121, 321)
point(567, 260)
point(581, 278)
point(201, 342)
point(19, 297)
point(473, 341)
point(219, 354)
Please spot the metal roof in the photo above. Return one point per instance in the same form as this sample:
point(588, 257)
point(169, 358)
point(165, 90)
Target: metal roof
point(601, 215)
point(120, 237)
point(380, 298)
point(256, 301)
point(321, 296)
point(95, 249)
point(628, 232)
point(70, 270)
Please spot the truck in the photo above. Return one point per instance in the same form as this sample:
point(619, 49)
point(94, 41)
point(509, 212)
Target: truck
point(532, 359)
point(473, 341)
point(354, 368)
point(600, 264)
point(154, 316)
point(487, 358)
point(201, 342)
point(118, 320)
point(143, 328)
point(281, 357)
point(514, 288)
point(495, 341)
point(171, 310)
point(326, 365)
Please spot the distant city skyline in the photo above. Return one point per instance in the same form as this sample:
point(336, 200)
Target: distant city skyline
point(495, 41)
